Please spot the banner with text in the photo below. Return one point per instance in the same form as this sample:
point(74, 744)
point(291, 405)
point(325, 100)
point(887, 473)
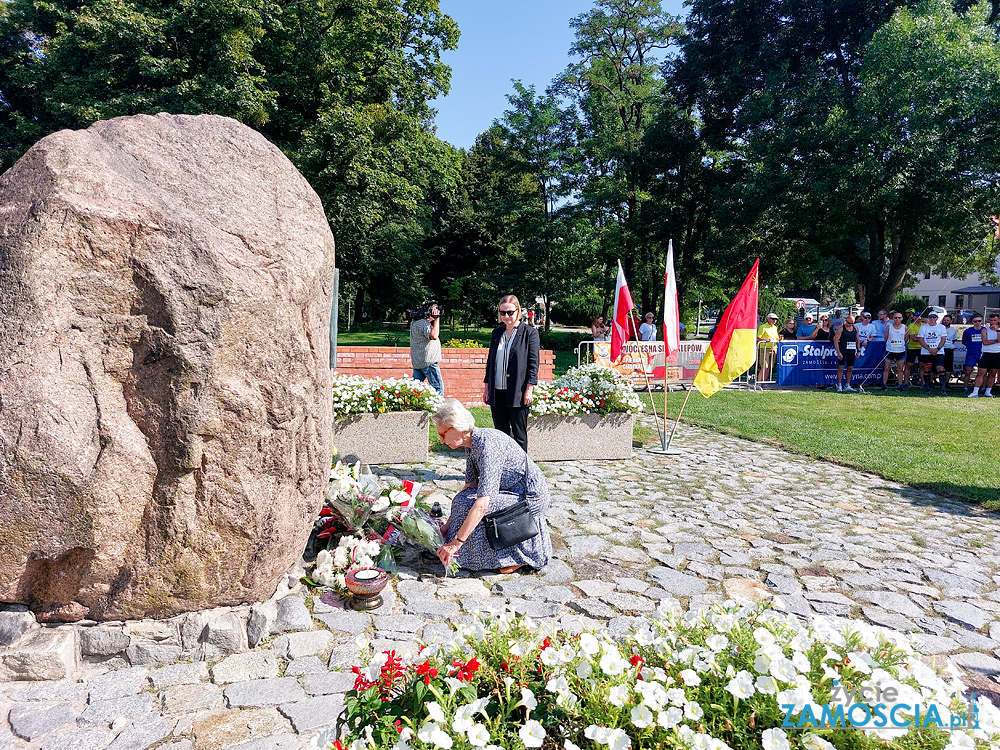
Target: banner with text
point(644, 359)
point(815, 363)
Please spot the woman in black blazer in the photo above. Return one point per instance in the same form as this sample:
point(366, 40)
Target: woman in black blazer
point(511, 371)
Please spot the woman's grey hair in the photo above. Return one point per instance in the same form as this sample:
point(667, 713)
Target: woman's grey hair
point(454, 415)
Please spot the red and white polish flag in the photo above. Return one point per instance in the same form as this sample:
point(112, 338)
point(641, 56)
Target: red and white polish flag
point(671, 312)
point(621, 323)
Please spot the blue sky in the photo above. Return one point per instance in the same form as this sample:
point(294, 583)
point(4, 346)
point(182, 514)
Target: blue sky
point(503, 40)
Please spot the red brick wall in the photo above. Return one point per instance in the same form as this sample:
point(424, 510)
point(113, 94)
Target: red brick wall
point(461, 369)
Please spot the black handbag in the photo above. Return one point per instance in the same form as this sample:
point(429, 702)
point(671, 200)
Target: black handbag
point(513, 525)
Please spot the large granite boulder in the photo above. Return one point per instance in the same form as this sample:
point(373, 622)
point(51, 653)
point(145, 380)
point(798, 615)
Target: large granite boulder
point(165, 425)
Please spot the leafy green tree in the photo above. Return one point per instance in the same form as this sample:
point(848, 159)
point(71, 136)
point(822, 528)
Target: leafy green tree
point(341, 86)
point(616, 86)
point(859, 138)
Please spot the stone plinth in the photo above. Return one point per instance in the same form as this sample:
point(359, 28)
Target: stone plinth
point(581, 438)
point(400, 437)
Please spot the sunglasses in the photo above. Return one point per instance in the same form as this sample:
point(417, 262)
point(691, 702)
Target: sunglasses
point(508, 312)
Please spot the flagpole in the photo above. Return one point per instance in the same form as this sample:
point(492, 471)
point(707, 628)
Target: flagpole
point(674, 428)
point(645, 374)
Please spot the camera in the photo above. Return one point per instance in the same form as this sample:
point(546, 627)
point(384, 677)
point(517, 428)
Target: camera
point(424, 311)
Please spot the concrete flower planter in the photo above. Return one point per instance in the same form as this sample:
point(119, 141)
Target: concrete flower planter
point(585, 437)
point(399, 437)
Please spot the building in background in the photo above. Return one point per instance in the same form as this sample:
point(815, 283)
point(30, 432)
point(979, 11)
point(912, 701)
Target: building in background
point(966, 293)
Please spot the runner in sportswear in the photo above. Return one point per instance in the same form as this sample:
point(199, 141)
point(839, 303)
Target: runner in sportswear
point(845, 341)
point(950, 335)
point(973, 340)
point(912, 346)
point(895, 350)
point(989, 362)
point(931, 336)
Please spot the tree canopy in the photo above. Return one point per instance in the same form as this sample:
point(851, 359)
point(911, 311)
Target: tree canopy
point(846, 143)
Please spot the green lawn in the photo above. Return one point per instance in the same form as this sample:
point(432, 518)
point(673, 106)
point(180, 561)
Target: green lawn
point(942, 444)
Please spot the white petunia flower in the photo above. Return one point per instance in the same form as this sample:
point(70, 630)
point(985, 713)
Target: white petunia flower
point(618, 740)
point(532, 734)
point(618, 695)
point(670, 718)
point(783, 670)
point(741, 686)
point(612, 663)
point(764, 637)
point(766, 684)
point(426, 731)
point(717, 642)
point(693, 710)
point(557, 685)
point(584, 670)
point(774, 739)
point(567, 745)
point(435, 711)
point(642, 717)
point(440, 738)
point(479, 735)
point(676, 696)
point(527, 700)
point(690, 677)
point(597, 734)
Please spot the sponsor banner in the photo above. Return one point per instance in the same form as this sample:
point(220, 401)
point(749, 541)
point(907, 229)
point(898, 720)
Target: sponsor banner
point(644, 359)
point(815, 362)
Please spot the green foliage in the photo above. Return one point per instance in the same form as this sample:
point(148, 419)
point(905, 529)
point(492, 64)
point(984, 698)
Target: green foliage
point(862, 136)
point(904, 302)
point(769, 302)
point(343, 87)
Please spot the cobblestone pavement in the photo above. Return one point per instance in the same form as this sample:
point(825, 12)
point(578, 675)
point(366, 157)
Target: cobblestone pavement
point(725, 518)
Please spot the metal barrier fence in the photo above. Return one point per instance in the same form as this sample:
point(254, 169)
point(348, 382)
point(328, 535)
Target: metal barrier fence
point(750, 379)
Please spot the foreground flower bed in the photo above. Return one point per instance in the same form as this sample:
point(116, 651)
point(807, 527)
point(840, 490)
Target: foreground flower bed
point(735, 676)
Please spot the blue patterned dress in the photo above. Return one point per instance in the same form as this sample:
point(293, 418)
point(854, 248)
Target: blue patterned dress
point(495, 465)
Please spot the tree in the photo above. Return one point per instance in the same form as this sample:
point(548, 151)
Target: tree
point(616, 86)
point(343, 87)
point(857, 134)
point(538, 135)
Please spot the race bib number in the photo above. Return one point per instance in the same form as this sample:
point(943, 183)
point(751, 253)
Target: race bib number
point(977, 337)
point(851, 346)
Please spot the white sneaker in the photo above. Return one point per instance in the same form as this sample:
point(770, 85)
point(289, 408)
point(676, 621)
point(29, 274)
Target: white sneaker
point(973, 395)
point(848, 389)
point(839, 388)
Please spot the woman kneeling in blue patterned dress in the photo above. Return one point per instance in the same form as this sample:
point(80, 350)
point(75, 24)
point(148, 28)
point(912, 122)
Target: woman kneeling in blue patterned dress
point(494, 480)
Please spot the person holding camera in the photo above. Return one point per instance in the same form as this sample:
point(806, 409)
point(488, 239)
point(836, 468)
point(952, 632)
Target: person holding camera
point(511, 371)
point(425, 346)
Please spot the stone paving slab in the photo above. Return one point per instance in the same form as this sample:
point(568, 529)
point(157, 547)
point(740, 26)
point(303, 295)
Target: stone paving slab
point(725, 518)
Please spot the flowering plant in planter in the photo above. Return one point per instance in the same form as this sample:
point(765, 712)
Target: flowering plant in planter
point(739, 676)
point(588, 389)
point(353, 394)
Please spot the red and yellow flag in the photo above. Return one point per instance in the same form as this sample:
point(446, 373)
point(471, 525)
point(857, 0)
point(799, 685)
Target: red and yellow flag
point(734, 344)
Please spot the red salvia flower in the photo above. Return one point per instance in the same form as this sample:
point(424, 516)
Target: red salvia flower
point(427, 671)
point(465, 671)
